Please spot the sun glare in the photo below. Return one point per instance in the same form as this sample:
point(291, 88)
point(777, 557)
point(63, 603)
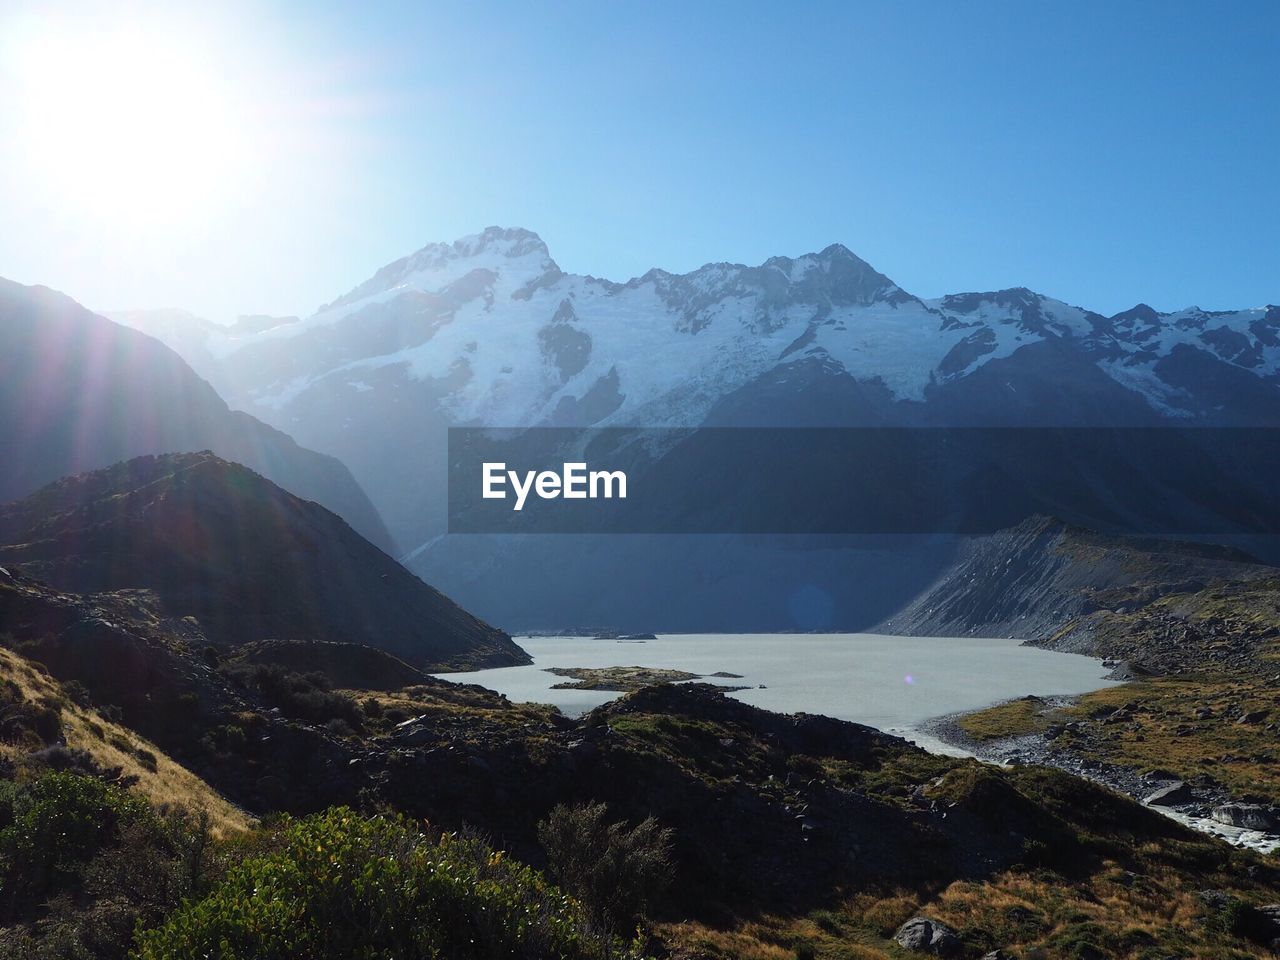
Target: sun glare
point(128, 127)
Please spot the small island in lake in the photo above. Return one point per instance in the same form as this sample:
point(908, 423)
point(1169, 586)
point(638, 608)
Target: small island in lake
point(625, 679)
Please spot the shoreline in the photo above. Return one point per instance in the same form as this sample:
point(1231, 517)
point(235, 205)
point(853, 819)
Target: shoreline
point(1034, 748)
point(942, 735)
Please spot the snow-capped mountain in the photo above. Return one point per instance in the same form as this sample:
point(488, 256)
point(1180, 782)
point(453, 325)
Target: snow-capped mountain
point(488, 330)
point(510, 339)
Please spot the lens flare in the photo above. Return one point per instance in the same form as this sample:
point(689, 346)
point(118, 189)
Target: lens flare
point(125, 125)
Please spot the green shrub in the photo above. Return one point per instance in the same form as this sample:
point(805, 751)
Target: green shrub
point(300, 696)
point(53, 827)
point(77, 692)
point(143, 872)
point(616, 872)
point(121, 742)
point(341, 885)
point(1240, 919)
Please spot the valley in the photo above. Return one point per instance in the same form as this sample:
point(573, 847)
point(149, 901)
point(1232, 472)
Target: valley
point(847, 529)
point(230, 696)
point(791, 831)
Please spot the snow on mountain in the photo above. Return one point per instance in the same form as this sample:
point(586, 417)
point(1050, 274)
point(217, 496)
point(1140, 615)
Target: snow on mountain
point(514, 341)
point(489, 330)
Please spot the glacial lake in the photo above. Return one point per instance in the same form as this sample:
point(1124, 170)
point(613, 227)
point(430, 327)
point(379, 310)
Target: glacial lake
point(892, 683)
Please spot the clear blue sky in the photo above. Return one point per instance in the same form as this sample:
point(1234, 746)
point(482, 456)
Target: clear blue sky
point(1104, 153)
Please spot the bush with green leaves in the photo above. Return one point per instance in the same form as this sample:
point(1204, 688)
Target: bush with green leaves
point(617, 872)
point(341, 885)
point(84, 863)
point(300, 696)
point(53, 827)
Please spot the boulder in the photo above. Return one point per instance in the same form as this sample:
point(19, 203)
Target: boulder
point(1270, 915)
point(415, 737)
point(1249, 816)
point(1171, 795)
point(928, 936)
point(1214, 899)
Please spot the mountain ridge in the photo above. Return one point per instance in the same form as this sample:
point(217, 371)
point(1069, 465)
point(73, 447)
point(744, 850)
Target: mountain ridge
point(251, 562)
point(489, 331)
point(79, 392)
point(423, 297)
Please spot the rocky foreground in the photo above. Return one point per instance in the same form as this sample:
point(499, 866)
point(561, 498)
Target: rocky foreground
point(793, 835)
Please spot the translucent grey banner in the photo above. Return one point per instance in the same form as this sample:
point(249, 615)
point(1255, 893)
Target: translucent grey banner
point(880, 480)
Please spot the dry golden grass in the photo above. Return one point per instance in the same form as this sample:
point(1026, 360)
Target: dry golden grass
point(883, 915)
point(1166, 730)
point(769, 938)
point(1013, 719)
point(1121, 914)
point(455, 702)
point(1163, 727)
point(111, 745)
point(693, 940)
point(1125, 915)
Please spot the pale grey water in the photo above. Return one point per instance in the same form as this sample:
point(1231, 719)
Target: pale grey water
point(892, 683)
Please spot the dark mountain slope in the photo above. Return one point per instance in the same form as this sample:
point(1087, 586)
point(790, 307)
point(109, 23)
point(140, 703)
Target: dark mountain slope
point(345, 665)
point(1031, 580)
point(79, 392)
point(250, 561)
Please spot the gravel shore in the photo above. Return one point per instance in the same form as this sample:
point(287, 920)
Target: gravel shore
point(1037, 748)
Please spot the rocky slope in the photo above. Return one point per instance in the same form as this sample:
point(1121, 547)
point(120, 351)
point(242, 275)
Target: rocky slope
point(1193, 733)
point(346, 665)
point(1229, 626)
point(79, 392)
point(1035, 579)
point(215, 541)
point(788, 829)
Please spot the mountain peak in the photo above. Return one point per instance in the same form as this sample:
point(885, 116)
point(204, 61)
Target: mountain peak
point(504, 241)
point(437, 264)
point(1140, 312)
point(836, 251)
